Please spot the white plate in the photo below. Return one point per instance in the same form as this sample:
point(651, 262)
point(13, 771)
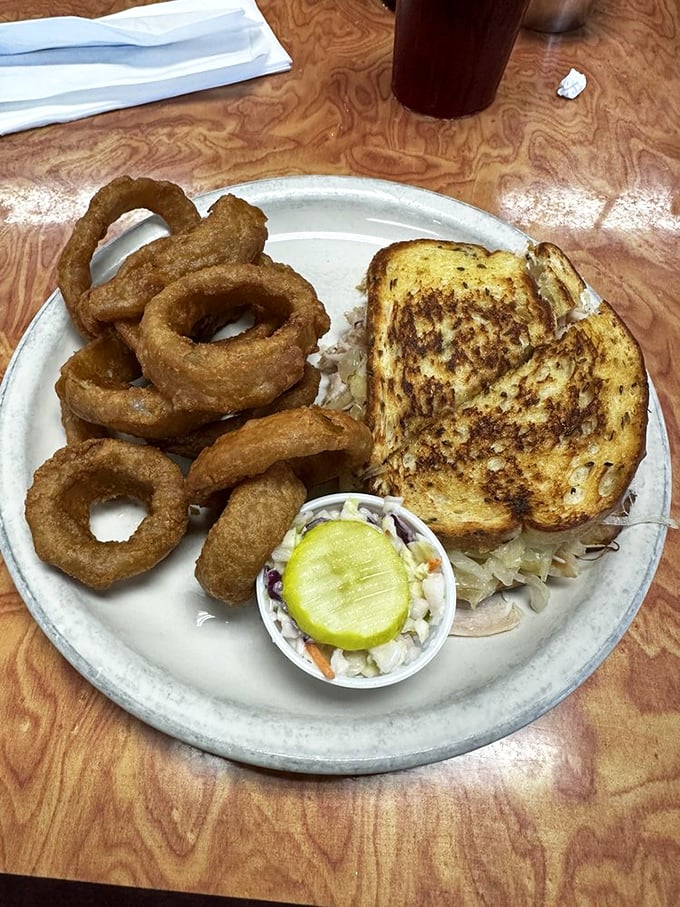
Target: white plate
point(210, 676)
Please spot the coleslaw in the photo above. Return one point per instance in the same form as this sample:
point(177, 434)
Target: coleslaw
point(426, 588)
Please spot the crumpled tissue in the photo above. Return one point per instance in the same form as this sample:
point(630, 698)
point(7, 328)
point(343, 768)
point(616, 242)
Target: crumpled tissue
point(572, 84)
point(64, 68)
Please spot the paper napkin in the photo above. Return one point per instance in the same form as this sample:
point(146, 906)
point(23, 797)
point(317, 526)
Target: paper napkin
point(65, 68)
point(572, 84)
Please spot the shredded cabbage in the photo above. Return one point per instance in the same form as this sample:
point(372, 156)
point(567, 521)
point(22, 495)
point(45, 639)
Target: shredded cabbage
point(523, 561)
point(344, 364)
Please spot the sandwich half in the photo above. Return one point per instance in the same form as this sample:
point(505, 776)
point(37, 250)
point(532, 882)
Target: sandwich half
point(505, 405)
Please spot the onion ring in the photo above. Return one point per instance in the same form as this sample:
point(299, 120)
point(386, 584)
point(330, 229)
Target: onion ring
point(75, 477)
point(95, 385)
point(319, 444)
point(123, 194)
point(75, 428)
point(205, 329)
point(190, 445)
point(257, 515)
point(233, 231)
point(211, 375)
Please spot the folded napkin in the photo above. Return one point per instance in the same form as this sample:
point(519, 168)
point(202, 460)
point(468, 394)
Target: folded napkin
point(65, 68)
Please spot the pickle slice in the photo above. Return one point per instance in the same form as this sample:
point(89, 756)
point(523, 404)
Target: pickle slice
point(346, 586)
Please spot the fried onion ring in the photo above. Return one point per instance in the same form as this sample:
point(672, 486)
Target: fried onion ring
point(74, 478)
point(190, 445)
point(257, 515)
point(130, 331)
point(319, 444)
point(215, 376)
point(96, 386)
point(75, 428)
point(233, 231)
point(123, 194)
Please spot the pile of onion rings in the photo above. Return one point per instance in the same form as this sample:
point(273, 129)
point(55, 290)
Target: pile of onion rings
point(198, 347)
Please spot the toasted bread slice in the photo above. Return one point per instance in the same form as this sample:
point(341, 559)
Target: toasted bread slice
point(557, 280)
point(445, 320)
point(550, 446)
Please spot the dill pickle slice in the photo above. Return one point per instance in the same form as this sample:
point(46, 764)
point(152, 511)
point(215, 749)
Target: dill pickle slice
point(346, 586)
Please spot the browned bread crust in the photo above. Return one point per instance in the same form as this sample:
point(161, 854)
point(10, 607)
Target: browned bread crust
point(444, 319)
point(488, 418)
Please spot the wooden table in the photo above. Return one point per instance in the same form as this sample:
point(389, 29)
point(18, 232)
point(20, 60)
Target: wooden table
point(580, 807)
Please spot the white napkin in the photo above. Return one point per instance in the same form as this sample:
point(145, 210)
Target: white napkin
point(572, 84)
point(65, 68)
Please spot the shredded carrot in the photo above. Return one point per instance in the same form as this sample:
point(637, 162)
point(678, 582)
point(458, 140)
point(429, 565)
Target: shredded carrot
point(434, 563)
point(320, 660)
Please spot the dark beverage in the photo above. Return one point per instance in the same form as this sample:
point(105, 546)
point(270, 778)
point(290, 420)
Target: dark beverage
point(450, 55)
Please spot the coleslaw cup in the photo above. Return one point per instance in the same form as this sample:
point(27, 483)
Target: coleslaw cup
point(441, 618)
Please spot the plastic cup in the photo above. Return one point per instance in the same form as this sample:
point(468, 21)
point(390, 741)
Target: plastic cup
point(450, 55)
point(439, 632)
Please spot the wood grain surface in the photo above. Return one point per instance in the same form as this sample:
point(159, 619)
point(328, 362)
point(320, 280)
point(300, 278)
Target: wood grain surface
point(582, 807)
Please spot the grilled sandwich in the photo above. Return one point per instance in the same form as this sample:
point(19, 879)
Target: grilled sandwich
point(503, 401)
